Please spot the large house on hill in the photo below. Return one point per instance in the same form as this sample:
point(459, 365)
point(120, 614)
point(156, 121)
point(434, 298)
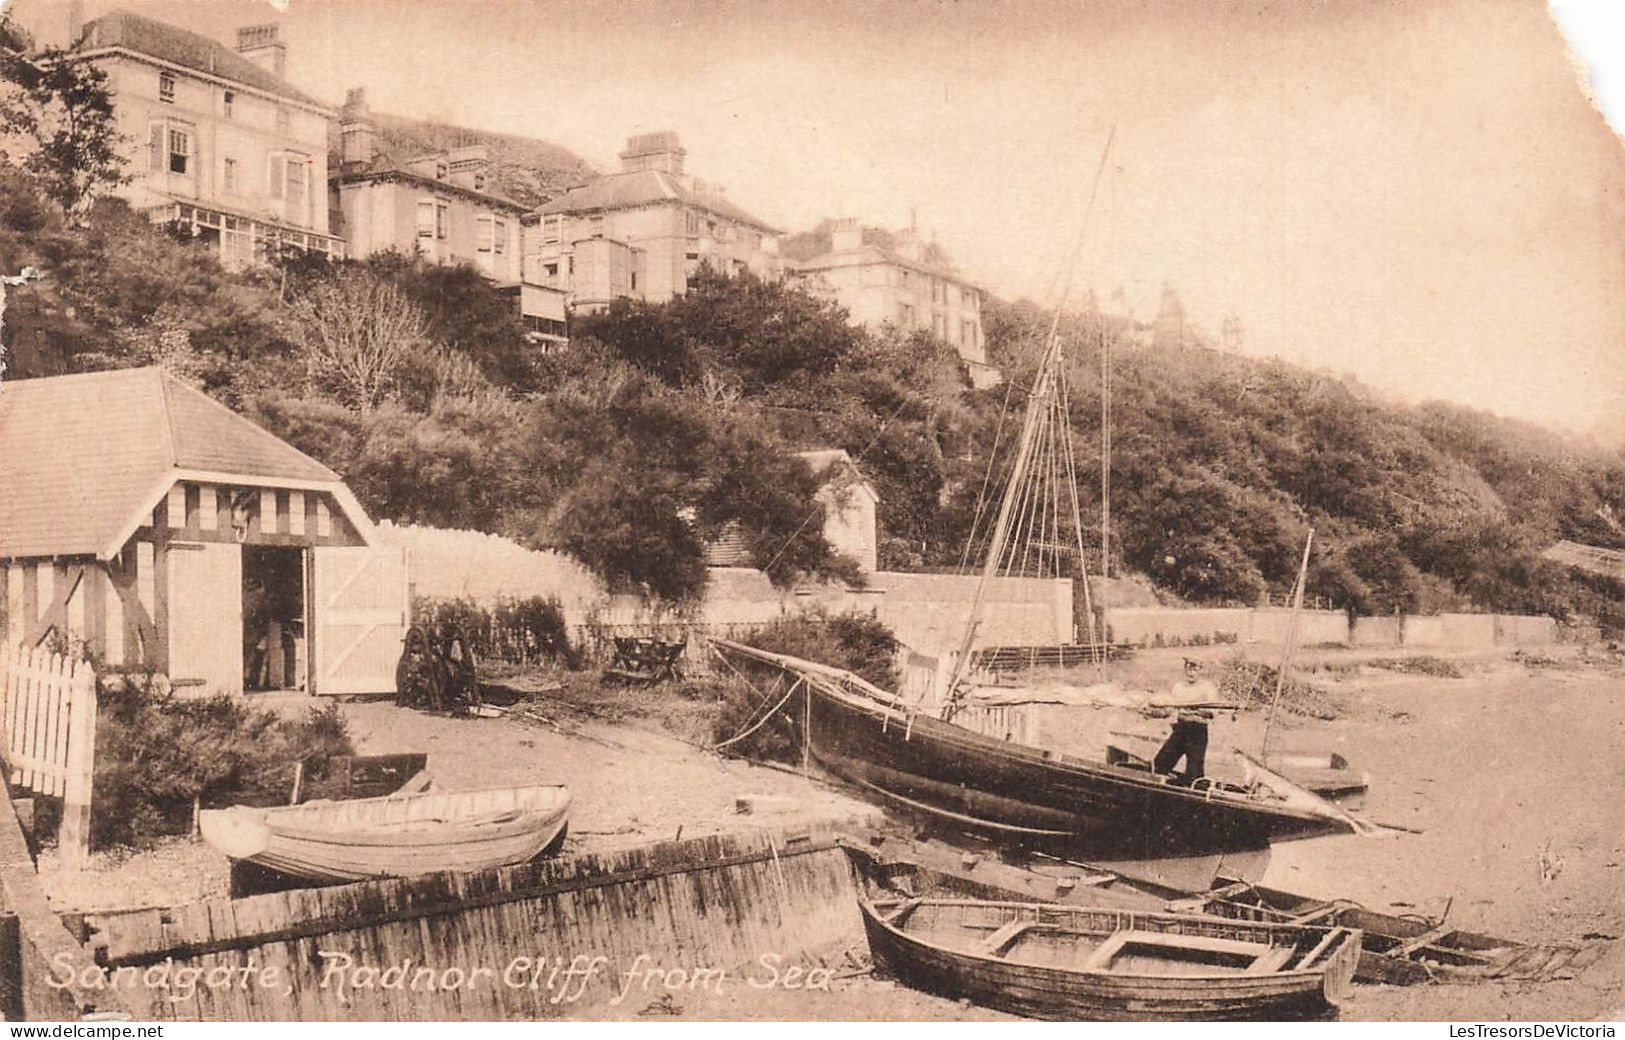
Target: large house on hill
point(895, 278)
point(643, 232)
point(220, 142)
point(444, 206)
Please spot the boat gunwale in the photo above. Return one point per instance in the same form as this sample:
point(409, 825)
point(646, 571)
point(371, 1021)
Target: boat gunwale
point(1065, 763)
point(1317, 971)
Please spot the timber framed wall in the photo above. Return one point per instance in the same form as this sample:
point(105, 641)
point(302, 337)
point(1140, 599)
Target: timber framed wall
point(121, 608)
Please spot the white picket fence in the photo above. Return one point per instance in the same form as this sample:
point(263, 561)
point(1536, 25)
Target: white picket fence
point(48, 735)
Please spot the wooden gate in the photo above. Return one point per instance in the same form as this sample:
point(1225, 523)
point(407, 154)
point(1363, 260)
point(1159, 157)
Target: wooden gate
point(360, 606)
point(48, 735)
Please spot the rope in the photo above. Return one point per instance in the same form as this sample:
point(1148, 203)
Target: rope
point(760, 722)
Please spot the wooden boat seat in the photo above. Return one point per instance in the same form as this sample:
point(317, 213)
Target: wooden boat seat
point(995, 944)
point(1271, 962)
point(1106, 951)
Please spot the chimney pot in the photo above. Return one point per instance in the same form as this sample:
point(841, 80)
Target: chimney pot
point(261, 45)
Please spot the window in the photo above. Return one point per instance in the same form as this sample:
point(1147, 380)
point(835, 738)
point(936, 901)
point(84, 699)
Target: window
point(939, 326)
point(552, 229)
point(236, 243)
point(479, 182)
point(968, 298)
point(440, 220)
point(905, 315)
point(228, 175)
point(595, 227)
point(425, 220)
point(439, 171)
point(180, 150)
point(693, 221)
point(967, 333)
point(229, 104)
point(499, 236)
point(297, 171)
point(484, 231)
point(166, 88)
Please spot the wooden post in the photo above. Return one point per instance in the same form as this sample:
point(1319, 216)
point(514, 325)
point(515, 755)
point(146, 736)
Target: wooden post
point(73, 840)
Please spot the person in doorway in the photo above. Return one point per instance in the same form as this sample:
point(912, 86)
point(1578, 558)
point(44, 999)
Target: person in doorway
point(1192, 700)
point(256, 607)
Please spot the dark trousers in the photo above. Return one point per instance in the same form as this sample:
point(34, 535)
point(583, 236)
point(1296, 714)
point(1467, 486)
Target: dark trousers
point(1189, 739)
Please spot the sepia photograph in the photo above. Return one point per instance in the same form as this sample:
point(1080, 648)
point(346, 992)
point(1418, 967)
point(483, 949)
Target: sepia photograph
point(878, 511)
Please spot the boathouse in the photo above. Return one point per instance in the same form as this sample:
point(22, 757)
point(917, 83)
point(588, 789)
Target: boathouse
point(150, 525)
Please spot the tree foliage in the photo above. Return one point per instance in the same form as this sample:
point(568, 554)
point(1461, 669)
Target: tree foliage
point(57, 123)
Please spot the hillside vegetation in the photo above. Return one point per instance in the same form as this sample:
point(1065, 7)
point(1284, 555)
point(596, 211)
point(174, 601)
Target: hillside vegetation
point(662, 425)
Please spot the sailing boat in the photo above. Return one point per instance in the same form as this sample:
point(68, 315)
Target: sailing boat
point(913, 755)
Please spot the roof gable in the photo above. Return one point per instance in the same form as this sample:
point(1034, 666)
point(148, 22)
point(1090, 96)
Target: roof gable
point(643, 188)
point(187, 49)
point(80, 454)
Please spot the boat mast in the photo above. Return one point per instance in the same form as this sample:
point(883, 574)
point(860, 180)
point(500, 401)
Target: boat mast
point(1041, 406)
point(1287, 647)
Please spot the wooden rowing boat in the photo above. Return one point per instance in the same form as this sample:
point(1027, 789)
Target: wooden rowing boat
point(1050, 961)
point(394, 836)
point(1326, 776)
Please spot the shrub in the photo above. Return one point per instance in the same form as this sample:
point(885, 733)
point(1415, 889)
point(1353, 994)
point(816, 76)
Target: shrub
point(156, 753)
point(859, 643)
point(520, 631)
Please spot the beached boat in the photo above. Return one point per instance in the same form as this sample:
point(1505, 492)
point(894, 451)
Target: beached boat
point(1022, 795)
point(1326, 775)
point(394, 836)
point(1403, 950)
point(1066, 962)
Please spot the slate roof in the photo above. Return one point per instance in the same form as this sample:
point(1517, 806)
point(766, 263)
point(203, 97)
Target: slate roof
point(384, 167)
point(81, 454)
point(872, 254)
point(643, 187)
point(187, 49)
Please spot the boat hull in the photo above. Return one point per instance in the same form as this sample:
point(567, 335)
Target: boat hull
point(1019, 794)
point(1058, 993)
point(342, 842)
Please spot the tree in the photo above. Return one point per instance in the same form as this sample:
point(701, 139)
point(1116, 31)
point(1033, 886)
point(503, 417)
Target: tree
point(56, 115)
point(357, 331)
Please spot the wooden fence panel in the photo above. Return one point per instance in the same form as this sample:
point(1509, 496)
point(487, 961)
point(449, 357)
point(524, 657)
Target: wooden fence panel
point(48, 735)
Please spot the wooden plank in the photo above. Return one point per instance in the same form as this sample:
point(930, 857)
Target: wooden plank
point(531, 883)
point(175, 507)
point(1410, 946)
point(54, 743)
point(208, 508)
point(30, 612)
point(5, 603)
point(994, 944)
point(1321, 947)
point(73, 839)
point(265, 521)
point(296, 513)
point(64, 583)
point(96, 610)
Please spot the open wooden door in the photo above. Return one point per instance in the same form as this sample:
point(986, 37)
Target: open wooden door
point(360, 607)
point(206, 615)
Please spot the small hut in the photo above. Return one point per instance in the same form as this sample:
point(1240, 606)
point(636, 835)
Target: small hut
point(154, 527)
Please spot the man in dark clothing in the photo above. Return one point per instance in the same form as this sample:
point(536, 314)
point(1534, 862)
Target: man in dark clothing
point(1189, 737)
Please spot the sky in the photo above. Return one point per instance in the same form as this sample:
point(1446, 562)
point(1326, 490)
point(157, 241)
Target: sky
point(1418, 192)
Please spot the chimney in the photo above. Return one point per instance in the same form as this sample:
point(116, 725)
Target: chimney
point(845, 235)
point(657, 151)
point(355, 130)
point(260, 45)
point(907, 243)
